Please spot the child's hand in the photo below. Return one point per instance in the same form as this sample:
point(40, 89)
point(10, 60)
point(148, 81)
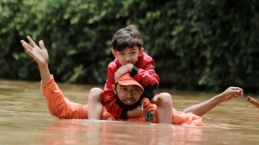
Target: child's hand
point(136, 112)
point(122, 70)
point(39, 54)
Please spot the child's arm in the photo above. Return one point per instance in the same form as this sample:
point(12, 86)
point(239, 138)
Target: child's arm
point(122, 70)
point(145, 74)
point(136, 112)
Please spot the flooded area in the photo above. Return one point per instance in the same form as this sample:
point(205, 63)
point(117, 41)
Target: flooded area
point(25, 119)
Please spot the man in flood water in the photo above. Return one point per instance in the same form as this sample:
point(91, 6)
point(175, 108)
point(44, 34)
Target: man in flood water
point(128, 95)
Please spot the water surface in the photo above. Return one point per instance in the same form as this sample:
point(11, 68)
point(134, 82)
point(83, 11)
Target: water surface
point(24, 119)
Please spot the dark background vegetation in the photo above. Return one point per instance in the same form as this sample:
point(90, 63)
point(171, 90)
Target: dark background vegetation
point(201, 45)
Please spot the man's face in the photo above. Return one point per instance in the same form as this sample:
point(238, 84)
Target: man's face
point(128, 94)
point(128, 55)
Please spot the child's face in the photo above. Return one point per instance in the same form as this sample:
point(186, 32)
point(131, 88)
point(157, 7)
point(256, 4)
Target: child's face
point(128, 55)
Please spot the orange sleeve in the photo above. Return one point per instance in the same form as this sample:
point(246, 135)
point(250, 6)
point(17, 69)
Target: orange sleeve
point(60, 106)
point(181, 118)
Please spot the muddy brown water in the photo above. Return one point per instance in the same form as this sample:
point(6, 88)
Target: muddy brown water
point(24, 119)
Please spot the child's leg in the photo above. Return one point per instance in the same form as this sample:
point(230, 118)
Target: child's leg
point(165, 110)
point(95, 103)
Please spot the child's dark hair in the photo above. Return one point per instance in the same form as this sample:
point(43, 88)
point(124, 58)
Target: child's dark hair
point(127, 37)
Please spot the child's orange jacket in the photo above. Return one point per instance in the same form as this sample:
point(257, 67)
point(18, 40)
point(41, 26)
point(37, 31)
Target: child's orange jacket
point(63, 108)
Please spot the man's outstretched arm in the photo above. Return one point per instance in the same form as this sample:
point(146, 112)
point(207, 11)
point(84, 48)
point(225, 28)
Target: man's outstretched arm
point(204, 107)
point(58, 105)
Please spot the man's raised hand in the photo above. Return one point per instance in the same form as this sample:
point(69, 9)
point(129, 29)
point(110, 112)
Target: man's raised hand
point(39, 54)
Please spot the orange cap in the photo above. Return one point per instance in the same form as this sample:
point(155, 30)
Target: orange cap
point(126, 80)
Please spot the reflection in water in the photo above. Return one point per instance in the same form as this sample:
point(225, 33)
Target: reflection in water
point(24, 119)
point(104, 132)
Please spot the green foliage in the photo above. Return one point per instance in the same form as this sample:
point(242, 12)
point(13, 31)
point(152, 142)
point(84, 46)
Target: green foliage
point(197, 45)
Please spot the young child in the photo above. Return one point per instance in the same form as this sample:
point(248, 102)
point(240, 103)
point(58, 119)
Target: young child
point(127, 48)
